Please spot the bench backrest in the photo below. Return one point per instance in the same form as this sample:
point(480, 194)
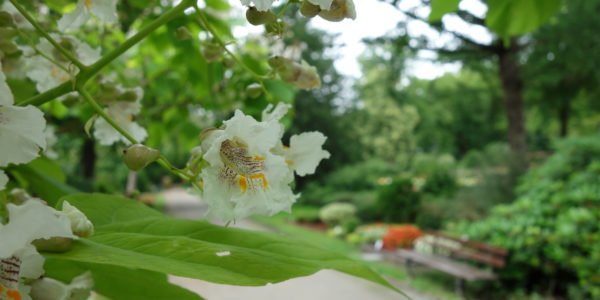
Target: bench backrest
point(466, 249)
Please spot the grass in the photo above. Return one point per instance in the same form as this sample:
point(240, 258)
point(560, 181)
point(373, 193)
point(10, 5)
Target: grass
point(425, 284)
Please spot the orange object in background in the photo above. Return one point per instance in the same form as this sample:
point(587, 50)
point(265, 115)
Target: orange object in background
point(401, 236)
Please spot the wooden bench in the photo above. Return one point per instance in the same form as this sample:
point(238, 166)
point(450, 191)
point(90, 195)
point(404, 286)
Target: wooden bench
point(460, 258)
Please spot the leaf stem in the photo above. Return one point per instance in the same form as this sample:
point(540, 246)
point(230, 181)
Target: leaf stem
point(41, 31)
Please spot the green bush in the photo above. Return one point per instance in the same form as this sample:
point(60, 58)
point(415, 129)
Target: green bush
point(337, 213)
point(398, 202)
point(553, 229)
point(438, 172)
point(361, 176)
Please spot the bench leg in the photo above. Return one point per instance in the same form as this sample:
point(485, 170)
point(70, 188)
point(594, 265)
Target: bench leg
point(459, 287)
point(408, 263)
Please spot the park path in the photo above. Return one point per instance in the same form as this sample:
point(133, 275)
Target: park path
point(323, 285)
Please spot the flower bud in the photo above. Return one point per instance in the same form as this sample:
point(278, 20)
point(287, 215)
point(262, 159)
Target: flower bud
point(139, 156)
point(183, 34)
point(309, 10)
point(212, 52)
point(256, 17)
point(302, 75)
point(54, 244)
point(254, 90)
point(80, 225)
point(6, 19)
point(339, 10)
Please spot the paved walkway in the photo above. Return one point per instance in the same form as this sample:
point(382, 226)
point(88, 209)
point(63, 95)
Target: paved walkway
point(323, 285)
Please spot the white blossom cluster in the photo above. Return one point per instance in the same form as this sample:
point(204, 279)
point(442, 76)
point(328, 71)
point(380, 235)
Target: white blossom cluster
point(250, 170)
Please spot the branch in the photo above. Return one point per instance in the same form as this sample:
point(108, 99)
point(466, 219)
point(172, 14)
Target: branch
point(89, 72)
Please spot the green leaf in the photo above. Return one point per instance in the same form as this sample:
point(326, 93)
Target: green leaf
point(280, 90)
point(441, 7)
point(190, 248)
point(45, 178)
point(515, 17)
point(104, 209)
point(120, 283)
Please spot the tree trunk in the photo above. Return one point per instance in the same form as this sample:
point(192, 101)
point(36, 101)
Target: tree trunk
point(512, 86)
point(88, 159)
point(563, 116)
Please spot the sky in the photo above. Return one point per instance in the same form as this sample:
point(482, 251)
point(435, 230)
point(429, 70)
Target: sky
point(375, 19)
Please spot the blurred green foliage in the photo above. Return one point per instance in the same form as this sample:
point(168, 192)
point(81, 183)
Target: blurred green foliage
point(552, 230)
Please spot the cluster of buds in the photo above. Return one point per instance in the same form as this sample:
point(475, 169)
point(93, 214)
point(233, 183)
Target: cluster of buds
point(337, 11)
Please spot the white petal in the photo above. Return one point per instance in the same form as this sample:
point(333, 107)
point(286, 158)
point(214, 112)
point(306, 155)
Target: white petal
point(25, 291)
point(305, 152)
point(45, 74)
point(31, 221)
point(86, 54)
point(21, 134)
point(270, 113)
point(32, 263)
point(261, 5)
point(3, 180)
point(260, 136)
point(74, 19)
point(324, 4)
point(49, 289)
point(6, 96)
point(105, 10)
point(80, 224)
point(121, 112)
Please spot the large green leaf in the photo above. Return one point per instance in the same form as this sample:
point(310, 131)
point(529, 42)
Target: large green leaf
point(514, 17)
point(194, 248)
point(120, 283)
point(441, 7)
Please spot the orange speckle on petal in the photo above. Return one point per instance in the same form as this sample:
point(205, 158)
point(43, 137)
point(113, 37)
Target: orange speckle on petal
point(243, 184)
point(13, 295)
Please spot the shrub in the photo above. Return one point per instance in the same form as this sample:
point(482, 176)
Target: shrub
point(401, 236)
point(553, 229)
point(337, 213)
point(398, 202)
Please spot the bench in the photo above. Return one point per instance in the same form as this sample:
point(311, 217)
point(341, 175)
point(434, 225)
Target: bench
point(458, 257)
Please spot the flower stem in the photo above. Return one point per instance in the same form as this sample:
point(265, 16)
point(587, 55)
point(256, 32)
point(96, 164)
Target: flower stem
point(161, 160)
point(93, 69)
point(41, 31)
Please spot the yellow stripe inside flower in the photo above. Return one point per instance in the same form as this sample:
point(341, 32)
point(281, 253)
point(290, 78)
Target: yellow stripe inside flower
point(241, 169)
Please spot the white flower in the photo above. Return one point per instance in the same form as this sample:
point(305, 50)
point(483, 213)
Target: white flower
point(324, 4)
point(51, 289)
point(105, 10)
point(6, 96)
point(306, 152)
point(46, 74)
point(80, 224)
point(18, 258)
point(21, 134)
point(19, 19)
point(122, 112)
point(51, 140)
point(261, 5)
point(244, 177)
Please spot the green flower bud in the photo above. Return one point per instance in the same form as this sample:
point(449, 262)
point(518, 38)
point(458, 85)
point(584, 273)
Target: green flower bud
point(183, 34)
point(254, 90)
point(302, 75)
point(277, 62)
point(6, 19)
point(309, 10)
point(139, 156)
point(80, 224)
point(55, 244)
point(212, 52)
point(339, 10)
point(256, 17)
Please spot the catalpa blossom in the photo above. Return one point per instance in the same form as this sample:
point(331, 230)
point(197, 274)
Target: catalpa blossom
point(243, 177)
point(21, 131)
point(52, 289)
point(305, 151)
point(18, 257)
point(45, 73)
point(104, 10)
point(261, 5)
point(123, 113)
